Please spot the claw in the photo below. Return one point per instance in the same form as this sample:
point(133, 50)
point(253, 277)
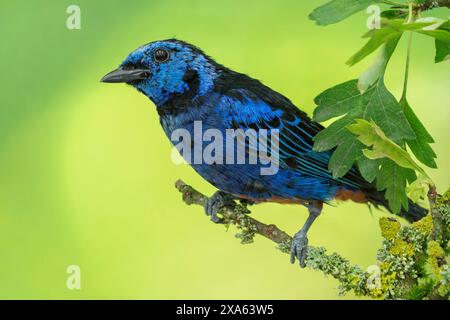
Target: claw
point(216, 203)
point(299, 248)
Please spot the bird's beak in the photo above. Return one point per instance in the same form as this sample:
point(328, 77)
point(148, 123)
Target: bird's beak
point(122, 75)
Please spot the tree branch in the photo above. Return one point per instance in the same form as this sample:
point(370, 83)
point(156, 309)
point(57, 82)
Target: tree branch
point(426, 5)
point(351, 277)
point(431, 4)
point(398, 273)
point(235, 215)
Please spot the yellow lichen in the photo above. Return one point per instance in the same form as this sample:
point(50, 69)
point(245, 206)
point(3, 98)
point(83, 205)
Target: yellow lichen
point(387, 283)
point(443, 290)
point(401, 247)
point(435, 250)
point(376, 293)
point(435, 255)
point(424, 225)
point(389, 228)
point(444, 198)
point(384, 266)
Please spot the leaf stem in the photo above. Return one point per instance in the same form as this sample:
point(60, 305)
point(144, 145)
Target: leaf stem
point(393, 3)
point(408, 57)
point(408, 53)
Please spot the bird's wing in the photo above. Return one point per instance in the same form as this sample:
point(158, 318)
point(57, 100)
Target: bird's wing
point(245, 109)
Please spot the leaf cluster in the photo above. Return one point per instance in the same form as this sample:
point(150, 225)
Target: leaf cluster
point(373, 129)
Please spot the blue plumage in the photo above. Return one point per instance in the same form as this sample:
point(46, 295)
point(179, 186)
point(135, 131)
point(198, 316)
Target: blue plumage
point(186, 86)
point(193, 87)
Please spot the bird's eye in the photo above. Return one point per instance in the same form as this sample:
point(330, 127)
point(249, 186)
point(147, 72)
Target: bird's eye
point(161, 55)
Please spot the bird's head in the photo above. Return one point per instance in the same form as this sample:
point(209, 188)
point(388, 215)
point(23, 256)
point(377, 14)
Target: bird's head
point(164, 69)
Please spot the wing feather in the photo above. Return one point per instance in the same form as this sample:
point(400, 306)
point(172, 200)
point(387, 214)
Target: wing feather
point(254, 110)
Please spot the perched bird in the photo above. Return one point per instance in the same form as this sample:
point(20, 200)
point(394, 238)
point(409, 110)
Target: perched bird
point(186, 86)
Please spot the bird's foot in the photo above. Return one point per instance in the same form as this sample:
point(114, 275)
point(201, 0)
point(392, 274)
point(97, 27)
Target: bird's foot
point(299, 247)
point(218, 201)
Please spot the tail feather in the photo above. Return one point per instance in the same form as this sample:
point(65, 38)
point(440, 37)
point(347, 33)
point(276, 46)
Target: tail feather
point(414, 212)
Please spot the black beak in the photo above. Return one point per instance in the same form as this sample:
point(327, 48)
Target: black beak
point(122, 75)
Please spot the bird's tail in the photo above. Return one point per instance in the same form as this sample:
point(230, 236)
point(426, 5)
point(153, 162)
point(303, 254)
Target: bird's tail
point(414, 212)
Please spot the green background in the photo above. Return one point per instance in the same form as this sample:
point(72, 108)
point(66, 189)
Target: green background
point(85, 172)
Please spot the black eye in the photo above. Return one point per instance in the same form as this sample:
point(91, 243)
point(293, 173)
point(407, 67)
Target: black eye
point(161, 55)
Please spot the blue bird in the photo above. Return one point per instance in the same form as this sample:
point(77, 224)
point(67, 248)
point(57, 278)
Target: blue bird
point(187, 86)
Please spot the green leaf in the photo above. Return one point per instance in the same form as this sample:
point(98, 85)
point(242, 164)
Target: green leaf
point(342, 159)
point(378, 37)
point(377, 69)
point(436, 28)
point(421, 290)
point(381, 146)
point(394, 14)
point(442, 46)
point(337, 10)
point(337, 101)
point(397, 166)
point(417, 191)
point(441, 35)
point(368, 168)
point(372, 74)
point(393, 179)
point(345, 100)
point(442, 42)
point(421, 145)
point(442, 51)
point(391, 29)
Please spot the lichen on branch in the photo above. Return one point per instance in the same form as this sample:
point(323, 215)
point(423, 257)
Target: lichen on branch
point(401, 270)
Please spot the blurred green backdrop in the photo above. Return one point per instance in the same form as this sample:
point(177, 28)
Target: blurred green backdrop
point(85, 170)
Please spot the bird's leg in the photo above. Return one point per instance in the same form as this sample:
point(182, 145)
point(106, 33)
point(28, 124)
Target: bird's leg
point(214, 204)
point(299, 244)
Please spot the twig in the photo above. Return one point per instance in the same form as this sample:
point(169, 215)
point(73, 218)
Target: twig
point(426, 5)
point(404, 253)
point(234, 215)
point(431, 4)
point(438, 219)
point(351, 277)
